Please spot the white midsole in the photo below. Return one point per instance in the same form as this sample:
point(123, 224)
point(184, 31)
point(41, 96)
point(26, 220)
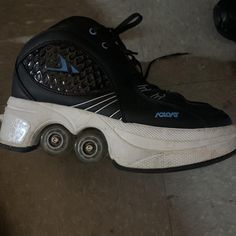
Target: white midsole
point(130, 144)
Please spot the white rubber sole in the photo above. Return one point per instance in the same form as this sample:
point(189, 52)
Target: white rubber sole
point(130, 145)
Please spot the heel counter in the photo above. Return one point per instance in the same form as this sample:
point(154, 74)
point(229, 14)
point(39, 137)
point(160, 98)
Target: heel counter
point(18, 89)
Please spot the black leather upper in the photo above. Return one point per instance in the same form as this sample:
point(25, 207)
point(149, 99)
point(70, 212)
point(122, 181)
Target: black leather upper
point(138, 106)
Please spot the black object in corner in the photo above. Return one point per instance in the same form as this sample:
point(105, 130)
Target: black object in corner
point(225, 18)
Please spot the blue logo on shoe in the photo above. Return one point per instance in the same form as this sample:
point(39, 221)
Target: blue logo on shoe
point(64, 67)
point(167, 115)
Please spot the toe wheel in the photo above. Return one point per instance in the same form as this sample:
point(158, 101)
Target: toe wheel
point(56, 140)
point(91, 146)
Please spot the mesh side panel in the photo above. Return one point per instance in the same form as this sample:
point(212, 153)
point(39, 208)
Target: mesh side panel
point(67, 70)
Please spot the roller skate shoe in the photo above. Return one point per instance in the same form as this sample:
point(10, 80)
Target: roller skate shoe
point(77, 87)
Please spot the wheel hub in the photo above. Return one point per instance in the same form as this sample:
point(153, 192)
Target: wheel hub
point(55, 140)
point(89, 148)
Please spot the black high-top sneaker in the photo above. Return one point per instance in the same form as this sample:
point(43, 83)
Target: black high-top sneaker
point(77, 86)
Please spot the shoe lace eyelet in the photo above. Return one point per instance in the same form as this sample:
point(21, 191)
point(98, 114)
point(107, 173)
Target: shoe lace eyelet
point(130, 57)
point(92, 31)
point(104, 45)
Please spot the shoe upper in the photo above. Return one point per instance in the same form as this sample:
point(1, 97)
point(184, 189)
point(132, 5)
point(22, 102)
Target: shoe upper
point(81, 63)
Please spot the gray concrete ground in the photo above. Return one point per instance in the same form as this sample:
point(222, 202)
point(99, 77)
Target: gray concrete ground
point(41, 195)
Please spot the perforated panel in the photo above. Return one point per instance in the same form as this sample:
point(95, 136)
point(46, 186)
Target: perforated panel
point(66, 69)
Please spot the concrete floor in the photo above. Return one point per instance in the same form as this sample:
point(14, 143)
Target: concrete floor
point(41, 195)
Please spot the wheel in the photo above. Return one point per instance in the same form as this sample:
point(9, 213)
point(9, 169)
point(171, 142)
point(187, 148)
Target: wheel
point(56, 139)
point(91, 146)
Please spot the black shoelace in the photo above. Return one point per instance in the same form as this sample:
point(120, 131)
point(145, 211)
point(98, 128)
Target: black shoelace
point(130, 22)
